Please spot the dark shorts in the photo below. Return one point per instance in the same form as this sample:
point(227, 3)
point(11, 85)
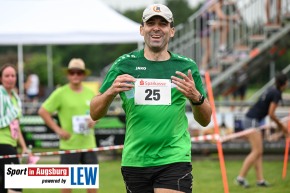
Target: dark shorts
point(249, 123)
point(7, 150)
point(176, 176)
point(32, 96)
point(77, 158)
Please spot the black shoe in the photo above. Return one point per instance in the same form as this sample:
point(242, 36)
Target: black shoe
point(242, 183)
point(263, 184)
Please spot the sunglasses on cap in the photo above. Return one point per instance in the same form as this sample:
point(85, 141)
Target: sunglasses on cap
point(77, 72)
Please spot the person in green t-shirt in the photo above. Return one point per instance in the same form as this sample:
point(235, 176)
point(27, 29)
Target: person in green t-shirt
point(154, 85)
point(71, 103)
point(10, 112)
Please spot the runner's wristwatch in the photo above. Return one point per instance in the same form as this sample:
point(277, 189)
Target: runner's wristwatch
point(200, 100)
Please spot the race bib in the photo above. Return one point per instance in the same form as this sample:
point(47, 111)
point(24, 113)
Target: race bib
point(14, 128)
point(80, 124)
point(153, 91)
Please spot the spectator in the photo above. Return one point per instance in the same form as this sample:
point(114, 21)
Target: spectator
point(10, 112)
point(277, 19)
point(213, 19)
point(71, 102)
point(266, 105)
point(153, 84)
point(32, 90)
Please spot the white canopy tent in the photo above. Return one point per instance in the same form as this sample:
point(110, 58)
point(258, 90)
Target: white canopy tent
point(62, 22)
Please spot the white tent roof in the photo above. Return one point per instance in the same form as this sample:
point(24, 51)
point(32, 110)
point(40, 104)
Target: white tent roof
point(63, 22)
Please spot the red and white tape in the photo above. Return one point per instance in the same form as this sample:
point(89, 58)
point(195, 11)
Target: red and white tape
point(64, 152)
point(234, 135)
point(251, 130)
point(203, 138)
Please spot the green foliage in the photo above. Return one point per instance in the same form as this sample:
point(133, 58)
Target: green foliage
point(180, 9)
point(37, 63)
point(96, 57)
point(135, 15)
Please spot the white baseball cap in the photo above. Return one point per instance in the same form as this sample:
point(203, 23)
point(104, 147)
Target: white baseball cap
point(157, 9)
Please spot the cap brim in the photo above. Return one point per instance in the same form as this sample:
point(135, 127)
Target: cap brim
point(156, 14)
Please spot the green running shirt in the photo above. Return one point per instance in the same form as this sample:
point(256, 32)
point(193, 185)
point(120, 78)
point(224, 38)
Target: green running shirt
point(155, 134)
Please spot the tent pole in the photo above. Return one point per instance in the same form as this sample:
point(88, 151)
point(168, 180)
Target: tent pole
point(49, 67)
point(20, 71)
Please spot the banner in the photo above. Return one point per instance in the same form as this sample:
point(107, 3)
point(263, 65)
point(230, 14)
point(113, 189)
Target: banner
point(109, 130)
point(52, 176)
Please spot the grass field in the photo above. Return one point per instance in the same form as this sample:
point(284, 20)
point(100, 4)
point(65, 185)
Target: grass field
point(207, 177)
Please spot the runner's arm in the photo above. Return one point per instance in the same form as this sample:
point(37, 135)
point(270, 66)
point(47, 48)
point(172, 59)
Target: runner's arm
point(202, 113)
point(100, 104)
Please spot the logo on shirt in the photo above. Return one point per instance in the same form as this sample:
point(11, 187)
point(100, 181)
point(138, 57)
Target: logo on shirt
point(140, 68)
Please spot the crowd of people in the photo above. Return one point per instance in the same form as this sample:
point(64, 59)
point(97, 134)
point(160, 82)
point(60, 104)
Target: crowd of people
point(214, 19)
point(154, 85)
point(217, 19)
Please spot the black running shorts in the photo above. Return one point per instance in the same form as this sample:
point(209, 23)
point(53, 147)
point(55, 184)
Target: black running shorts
point(176, 176)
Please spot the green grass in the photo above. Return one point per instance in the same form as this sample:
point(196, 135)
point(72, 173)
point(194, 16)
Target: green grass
point(207, 177)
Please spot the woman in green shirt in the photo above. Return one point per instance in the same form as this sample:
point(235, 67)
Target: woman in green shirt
point(10, 111)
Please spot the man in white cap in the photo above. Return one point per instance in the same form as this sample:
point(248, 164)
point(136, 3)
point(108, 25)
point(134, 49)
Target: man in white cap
point(154, 85)
point(76, 130)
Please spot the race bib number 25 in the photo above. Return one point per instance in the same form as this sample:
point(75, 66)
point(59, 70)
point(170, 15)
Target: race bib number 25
point(153, 91)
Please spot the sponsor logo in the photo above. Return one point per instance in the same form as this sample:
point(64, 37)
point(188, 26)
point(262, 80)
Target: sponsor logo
point(43, 176)
point(140, 68)
point(151, 83)
point(49, 171)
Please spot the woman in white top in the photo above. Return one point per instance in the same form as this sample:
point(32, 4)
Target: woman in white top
point(32, 90)
point(32, 86)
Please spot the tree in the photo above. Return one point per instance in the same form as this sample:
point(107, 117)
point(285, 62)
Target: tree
point(180, 9)
point(37, 63)
point(96, 57)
